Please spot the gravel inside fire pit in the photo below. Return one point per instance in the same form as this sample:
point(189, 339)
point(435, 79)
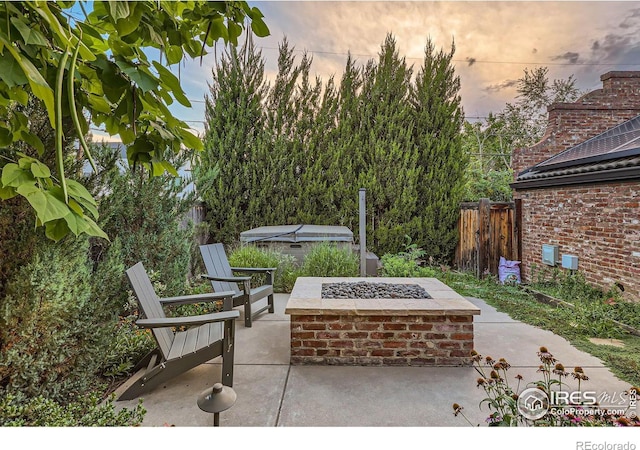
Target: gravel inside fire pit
point(364, 289)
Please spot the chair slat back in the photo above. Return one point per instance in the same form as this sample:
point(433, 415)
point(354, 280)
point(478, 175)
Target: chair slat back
point(216, 263)
point(150, 305)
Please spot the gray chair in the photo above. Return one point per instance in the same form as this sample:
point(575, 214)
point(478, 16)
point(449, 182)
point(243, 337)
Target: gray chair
point(203, 338)
point(223, 278)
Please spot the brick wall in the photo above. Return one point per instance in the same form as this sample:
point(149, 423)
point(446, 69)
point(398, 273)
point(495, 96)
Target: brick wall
point(416, 340)
point(599, 223)
point(572, 123)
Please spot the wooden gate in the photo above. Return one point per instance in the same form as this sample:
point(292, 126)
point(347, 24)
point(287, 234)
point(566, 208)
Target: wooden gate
point(488, 230)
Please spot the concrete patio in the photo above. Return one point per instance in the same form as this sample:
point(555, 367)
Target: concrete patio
point(272, 393)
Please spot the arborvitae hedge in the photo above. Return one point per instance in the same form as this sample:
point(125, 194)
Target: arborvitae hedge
point(297, 151)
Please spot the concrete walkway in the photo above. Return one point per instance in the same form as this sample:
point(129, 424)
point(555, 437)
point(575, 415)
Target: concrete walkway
point(271, 393)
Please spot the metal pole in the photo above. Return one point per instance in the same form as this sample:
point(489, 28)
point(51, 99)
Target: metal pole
point(363, 233)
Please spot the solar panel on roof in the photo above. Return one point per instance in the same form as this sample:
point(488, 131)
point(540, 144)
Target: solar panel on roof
point(621, 138)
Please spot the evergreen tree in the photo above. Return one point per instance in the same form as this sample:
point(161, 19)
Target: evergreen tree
point(389, 174)
point(438, 120)
point(332, 185)
point(278, 152)
point(225, 175)
point(316, 203)
point(299, 152)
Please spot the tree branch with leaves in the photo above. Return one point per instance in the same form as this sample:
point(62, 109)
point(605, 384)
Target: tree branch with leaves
point(93, 67)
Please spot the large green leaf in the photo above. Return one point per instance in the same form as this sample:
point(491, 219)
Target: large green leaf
point(32, 139)
point(99, 103)
point(77, 191)
point(7, 192)
point(169, 168)
point(140, 75)
point(119, 10)
point(56, 229)
point(260, 28)
point(30, 35)
point(217, 31)
point(6, 136)
point(93, 229)
point(39, 85)
point(11, 72)
point(40, 170)
point(174, 54)
point(88, 205)
point(235, 31)
point(170, 80)
point(14, 176)
point(47, 206)
point(19, 95)
point(191, 141)
point(129, 23)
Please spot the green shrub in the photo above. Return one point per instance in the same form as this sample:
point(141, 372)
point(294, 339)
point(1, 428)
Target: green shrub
point(406, 263)
point(85, 412)
point(53, 332)
point(595, 309)
point(251, 256)
point(328, 260)
point(129, 345)
point(143, 216)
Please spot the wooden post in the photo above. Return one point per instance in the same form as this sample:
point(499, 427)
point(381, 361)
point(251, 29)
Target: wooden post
point(484, 230)
point(517, 232)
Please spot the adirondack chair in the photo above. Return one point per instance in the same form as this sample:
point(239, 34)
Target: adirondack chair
point(205, 337)
point(222, 278)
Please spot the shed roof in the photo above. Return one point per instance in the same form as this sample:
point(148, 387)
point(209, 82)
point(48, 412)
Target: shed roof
point(611, 156)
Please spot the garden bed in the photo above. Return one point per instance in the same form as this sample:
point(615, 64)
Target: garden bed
point(550, 300)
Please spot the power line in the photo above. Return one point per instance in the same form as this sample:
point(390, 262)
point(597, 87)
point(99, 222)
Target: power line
point(466, 61)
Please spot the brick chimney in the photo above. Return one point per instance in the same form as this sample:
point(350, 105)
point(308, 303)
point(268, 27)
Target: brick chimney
point(592, 114)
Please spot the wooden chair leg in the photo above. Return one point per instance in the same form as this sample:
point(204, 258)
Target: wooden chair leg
point(247, 313)
point(227, 352)
point(271, 305)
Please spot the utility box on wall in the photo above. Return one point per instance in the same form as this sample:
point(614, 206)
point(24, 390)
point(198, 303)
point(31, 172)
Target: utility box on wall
point(549, 254)
point(570, 262)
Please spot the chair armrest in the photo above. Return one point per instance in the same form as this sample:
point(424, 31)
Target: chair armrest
point(197, 298)
point(232, 279)
point(254, 269)
point(188, 320)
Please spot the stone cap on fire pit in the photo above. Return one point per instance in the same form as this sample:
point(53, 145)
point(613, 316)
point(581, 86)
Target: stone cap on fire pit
point(306, 298)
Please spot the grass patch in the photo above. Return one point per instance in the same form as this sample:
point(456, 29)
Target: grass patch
point(576, 326)
point(251, 256)
point(326, 259)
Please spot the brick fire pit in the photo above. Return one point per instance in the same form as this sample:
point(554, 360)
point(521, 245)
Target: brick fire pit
point(435, 331)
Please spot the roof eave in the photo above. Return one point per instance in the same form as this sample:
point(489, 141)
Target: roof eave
point(603, 176)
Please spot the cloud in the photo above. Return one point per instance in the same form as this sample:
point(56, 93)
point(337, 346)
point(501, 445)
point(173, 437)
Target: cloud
point(571, 57)
point(632, 20)
point(471, 61)
point(500, 86)
point(611, 47)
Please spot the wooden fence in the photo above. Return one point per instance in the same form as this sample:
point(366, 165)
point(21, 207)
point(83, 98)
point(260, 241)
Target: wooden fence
point(488, 230)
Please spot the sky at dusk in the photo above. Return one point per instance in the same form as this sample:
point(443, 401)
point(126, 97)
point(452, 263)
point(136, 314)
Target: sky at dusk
point(495, 41)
